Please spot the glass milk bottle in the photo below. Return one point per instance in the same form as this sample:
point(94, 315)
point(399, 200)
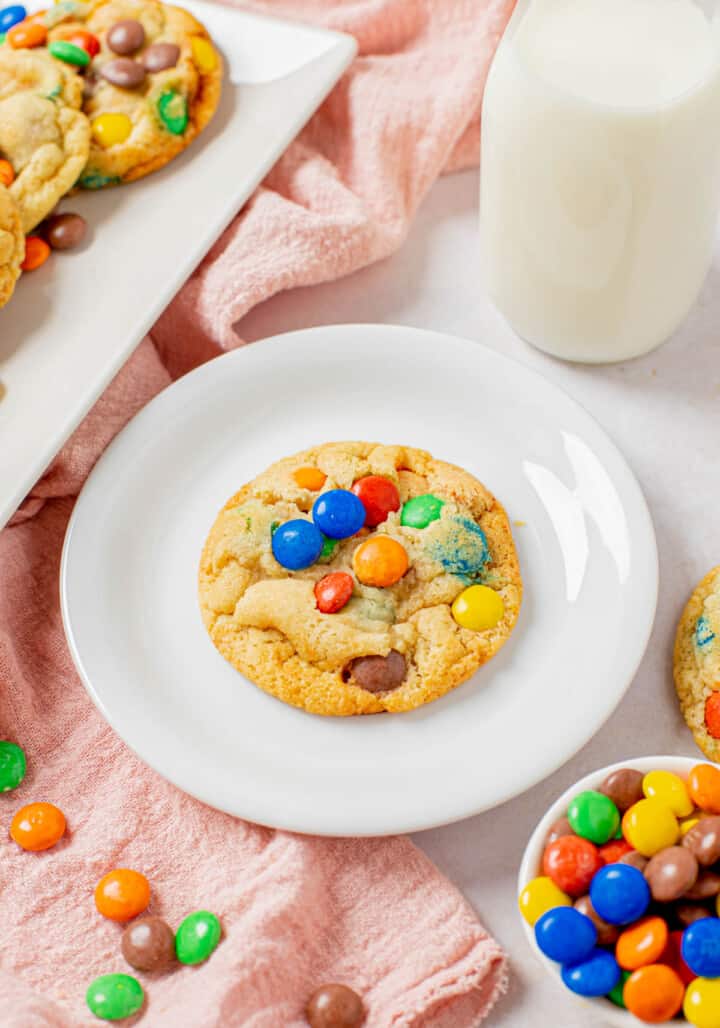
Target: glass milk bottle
point(600, 171)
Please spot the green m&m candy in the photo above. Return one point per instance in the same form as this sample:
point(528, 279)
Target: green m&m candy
point(12, 766)
point(115, 996)
point(421, 510)
point(173, 112)
point(616, 993)
point(328, 549)
point(594, 816)
point(69, 53)
point(197, 937)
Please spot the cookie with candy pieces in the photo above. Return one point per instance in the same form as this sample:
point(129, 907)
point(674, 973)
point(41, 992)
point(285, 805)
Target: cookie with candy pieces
point(354, 578)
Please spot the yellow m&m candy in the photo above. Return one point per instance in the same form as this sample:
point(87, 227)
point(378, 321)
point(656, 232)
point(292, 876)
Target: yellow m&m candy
point(478, 608)
point(539, 896)
point(650, 826)
point(702, 1003)
point(670, 790)
point(109, 129)
point(203, 54)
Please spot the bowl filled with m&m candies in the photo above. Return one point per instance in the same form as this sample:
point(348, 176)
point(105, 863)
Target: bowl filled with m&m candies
point(619, 891)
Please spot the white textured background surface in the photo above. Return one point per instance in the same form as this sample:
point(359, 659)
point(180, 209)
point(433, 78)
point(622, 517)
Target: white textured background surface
point(663, 411)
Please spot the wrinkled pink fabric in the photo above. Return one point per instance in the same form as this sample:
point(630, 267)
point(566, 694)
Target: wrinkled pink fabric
point(296, 911)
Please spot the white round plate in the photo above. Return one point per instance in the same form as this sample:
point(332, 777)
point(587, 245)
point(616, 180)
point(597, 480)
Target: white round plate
point(584, 537)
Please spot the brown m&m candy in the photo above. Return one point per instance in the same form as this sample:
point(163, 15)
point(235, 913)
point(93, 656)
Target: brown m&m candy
point(378, 674)
point(558, 829)
point(160, 56)
point(123, 72)
point(623, 787)
point(703, 840)
point(706, 886)
point(126, 36)
point(689, 913)
point(335, 1006)
point(64, 231)
point(670, 873)
point(634, 859)
point(607, 934)
point(149, 944)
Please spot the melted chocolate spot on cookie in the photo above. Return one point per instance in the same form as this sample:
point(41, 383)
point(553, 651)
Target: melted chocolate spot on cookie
point(377, 674)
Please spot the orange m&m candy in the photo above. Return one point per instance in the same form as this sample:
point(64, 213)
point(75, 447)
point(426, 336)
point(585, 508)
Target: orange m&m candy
point(653, 993)
point(704, 787)
point(7, 174)
point(122, 894)
point(38, 826)
point(380, 561)
point(310, 478)
point(712, 714)
point(37, 252)
point(642, 943)
point(26, 35)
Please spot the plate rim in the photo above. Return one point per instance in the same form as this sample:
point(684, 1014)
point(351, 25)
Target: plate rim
point(340, 825)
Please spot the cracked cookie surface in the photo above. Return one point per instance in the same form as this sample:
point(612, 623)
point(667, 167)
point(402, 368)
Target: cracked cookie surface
point(47, 145)
point(37, 72)
point(264, 619)
point(12, 245)
point(157, 118)
point(697, 664)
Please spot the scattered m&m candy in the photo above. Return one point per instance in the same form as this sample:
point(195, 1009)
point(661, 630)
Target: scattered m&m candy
point(701, 1005)
point(379, 496)
point(670, 790)
point(12, 765)
point(571, 863)
point(701, 947)
point(335, 1006)
point(197, 937)
point(113, 997)
point(37, 826)
point(122, 894)
point(69, 53)
point(297, 544)
point(338, 513)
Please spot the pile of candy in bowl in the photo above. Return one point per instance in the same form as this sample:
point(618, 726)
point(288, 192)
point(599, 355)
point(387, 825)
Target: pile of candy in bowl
point(627, 897)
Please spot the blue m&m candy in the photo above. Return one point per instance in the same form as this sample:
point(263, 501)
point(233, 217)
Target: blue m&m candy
point(338, 513)
point(597, 975)
point(619, 893)
point(565, 935)
point(297, 544)
point(10, 16)
point(701, 947)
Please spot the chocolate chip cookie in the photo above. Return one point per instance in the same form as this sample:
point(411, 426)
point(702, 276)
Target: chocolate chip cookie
point(355, 577)
point(12, 245)
point(697, 664)
point(150, 89)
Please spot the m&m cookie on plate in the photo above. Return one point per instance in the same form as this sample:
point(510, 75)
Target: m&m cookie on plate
point(355, 578)
point(697, 664)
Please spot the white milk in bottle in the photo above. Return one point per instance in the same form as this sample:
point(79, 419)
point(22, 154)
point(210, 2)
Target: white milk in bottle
point(600, 171)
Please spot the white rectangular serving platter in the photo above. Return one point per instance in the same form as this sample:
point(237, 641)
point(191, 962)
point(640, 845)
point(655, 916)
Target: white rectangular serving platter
point(73, 323)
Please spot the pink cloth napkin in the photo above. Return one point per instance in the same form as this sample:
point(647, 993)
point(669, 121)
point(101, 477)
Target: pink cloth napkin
point(296, 911)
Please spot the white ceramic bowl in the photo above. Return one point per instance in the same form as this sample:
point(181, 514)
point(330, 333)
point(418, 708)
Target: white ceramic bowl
point(532, 859)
